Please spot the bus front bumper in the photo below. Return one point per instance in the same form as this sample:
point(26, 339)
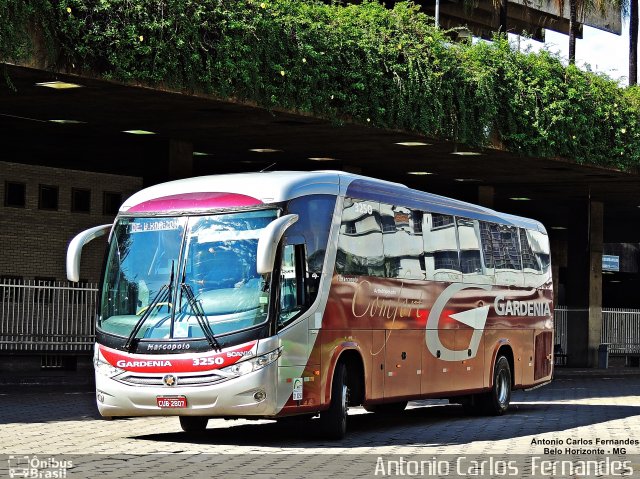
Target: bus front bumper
point(252, 394)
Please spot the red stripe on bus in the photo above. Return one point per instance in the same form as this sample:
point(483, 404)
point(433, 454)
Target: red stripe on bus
point(195, 202)
point(169, 363)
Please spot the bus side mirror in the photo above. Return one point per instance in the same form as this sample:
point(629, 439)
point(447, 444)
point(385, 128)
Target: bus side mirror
point(268, 242)
point(74, 251)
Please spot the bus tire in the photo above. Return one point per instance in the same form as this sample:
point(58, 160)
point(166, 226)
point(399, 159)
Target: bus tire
point(388, 408)
point(193, 424)
point(333, 421)
point(496, 401)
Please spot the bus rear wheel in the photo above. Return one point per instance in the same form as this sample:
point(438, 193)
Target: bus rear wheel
point(193, 424)
point(333, 421)
point(496, 401)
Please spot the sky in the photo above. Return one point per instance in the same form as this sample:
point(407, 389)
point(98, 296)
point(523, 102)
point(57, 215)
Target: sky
point(604, 52)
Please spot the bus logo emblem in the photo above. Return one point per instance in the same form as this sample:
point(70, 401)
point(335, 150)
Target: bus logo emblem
point(475, 318)
point(170, 380)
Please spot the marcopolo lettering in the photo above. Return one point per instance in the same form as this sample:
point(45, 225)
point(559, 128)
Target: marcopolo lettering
point(143, 364)
point(168, 347)
point(508, 307)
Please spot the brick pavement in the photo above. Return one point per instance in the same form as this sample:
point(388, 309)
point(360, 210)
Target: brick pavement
point(50, 422)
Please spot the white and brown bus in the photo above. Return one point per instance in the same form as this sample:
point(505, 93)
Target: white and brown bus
point(277, 294)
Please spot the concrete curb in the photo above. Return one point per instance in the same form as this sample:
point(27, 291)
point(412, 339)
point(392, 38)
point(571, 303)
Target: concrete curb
point(560, 373)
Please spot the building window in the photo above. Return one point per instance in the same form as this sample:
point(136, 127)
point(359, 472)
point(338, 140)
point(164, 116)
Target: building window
point(80, 200)
point(112, 202)
point(15, 194)
point(48, 197)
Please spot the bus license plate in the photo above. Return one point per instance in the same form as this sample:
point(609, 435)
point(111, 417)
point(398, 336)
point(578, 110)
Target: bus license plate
point(172, 402)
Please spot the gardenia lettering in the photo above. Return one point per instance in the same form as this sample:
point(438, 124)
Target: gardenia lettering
point(143, 364)
point(520, 308)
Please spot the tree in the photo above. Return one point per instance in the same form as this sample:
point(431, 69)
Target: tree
point(633, 42)
point(503, 9)
point(573, 28)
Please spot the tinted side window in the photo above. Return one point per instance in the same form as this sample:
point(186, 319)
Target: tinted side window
point(540, 262)
point(530, 262)
point(315, 214)
point(506, 254)
point(506, 247)
point(440, 247)
point(486, 241)
point(360, 241)
point(402, 241)
point(472, 254)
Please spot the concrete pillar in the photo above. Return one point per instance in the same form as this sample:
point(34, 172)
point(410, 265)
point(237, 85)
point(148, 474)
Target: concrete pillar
point(596, 240)
point(559, 248)
point(577, 288)
point(180, 159)
point(584, 285)
point(486, 195)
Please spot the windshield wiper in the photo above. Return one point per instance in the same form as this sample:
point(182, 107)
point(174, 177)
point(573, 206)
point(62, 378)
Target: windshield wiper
point(200, 315)
point(164, 294)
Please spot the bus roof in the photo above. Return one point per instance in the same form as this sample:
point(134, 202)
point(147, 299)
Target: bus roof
point(249, 189)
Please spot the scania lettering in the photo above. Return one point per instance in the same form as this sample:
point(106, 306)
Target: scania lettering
point(277, 294)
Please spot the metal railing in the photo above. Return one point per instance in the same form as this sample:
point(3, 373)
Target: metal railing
point(620, 328)
point(53, 317)
point(61, 318)
point(560, 324)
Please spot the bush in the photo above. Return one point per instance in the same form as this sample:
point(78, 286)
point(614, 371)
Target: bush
point(365, 63)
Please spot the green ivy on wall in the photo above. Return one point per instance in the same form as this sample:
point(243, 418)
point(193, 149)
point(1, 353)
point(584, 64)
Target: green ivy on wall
point(365, 63)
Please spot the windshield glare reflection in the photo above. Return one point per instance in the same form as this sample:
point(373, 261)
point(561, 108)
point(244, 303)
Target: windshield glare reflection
point(218, 264)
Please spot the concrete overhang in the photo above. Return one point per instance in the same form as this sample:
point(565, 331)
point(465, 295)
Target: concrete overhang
point(523, 16)
point(224, 134)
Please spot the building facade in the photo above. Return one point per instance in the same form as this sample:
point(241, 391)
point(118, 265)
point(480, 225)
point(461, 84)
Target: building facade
point(44, 208)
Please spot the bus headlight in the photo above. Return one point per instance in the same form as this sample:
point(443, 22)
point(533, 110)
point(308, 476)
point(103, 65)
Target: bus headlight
point(105, 369)
point(250, 365)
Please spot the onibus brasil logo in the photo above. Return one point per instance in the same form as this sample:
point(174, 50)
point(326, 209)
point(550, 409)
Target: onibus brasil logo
point(34, 467)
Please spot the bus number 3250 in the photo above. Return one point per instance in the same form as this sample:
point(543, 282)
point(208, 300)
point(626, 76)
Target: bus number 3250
point(208, 361)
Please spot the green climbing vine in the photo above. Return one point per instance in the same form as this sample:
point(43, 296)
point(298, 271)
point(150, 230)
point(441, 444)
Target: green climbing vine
point(387, 67)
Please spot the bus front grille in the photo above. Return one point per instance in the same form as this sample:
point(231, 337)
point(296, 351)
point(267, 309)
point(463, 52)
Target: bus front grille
point(155, 381)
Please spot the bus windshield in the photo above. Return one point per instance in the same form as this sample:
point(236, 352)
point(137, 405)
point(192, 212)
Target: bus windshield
point(211, 258)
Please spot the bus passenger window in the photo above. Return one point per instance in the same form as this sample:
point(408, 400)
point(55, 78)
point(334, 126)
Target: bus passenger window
point(529, 260)
point(472, 257)
point(506, 255)
point(535, 257)
point(360, 249)
point(402, 244)
point(440, 247)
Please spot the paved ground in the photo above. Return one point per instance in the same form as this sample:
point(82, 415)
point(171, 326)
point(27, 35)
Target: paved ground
point(53, 422)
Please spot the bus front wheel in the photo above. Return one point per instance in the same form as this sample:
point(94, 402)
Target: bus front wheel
point(333, 421)
point(193, 424)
